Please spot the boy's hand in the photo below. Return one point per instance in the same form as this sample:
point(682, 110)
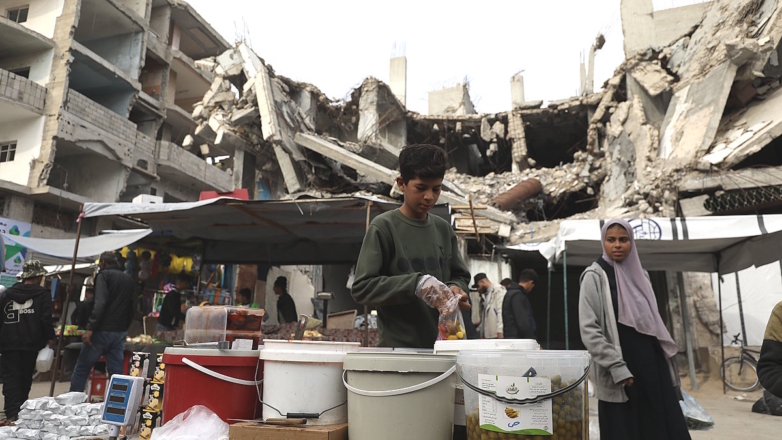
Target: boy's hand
point(436, 294)
point(87, 337)
point(464, 300)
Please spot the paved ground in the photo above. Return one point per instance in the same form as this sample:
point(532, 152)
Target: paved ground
point(733, 418)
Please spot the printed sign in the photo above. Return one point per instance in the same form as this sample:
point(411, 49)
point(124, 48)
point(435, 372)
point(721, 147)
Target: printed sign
point(14, 254)
point(531, 419)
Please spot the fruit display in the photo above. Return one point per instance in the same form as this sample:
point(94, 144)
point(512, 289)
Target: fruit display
point(568, 416)
point(141, 340)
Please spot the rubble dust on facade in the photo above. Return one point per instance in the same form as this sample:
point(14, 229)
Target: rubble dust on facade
point(152, 101)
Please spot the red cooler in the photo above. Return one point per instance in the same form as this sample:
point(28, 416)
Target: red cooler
point(222, 380)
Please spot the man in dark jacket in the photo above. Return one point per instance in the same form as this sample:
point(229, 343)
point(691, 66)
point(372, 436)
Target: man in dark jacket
point(81, 315)
point(517, 319)
point(173, 310)
point(770, 362)
point(109, 322)
point(25, 328)
point(286, 307)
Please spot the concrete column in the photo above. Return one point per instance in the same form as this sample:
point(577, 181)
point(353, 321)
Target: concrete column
point(398, 79)
point(637, 25)
point(517, 91)
point(238, 167)
point(20, 208)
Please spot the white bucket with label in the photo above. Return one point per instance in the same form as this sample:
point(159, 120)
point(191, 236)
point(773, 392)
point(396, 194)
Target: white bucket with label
point(399, 395)
point(453, 348)
point(533, 393)
point(303, 379)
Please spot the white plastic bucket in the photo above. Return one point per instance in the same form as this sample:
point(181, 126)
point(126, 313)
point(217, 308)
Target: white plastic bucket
point(534, 393)
point(303, 379)
point(453, 348)
point(399, 395)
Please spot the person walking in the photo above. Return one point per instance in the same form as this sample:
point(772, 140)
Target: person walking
point(518, 321)
point(622, 329)
point(286, 307)
point(25, 328)
point(491, 313)
point(108, 325)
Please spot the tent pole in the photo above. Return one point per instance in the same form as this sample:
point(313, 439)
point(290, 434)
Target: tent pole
point(741, 310)
point(366, 308)
point(687, 331)
point(722, 343)
point(564, 275)
point(548, 313)
point(64, 316)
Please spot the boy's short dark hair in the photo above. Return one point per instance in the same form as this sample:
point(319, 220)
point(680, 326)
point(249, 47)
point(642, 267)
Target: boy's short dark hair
point(506, 282)
point(423, 161)
point(528, 275)
point(247, 293)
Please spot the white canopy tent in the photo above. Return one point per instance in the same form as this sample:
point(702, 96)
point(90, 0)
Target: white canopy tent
point(720, 245)
point(88, 247)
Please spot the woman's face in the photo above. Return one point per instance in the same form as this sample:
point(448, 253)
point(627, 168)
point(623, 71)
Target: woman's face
point(617, 243)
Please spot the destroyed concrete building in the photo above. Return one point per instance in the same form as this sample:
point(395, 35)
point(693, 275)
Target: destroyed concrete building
point(95, 101)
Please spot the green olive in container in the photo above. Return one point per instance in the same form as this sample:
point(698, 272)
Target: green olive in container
point(525, 394)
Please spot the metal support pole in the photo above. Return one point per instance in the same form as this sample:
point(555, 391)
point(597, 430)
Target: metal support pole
point(548, 312)
point(564, 275)
point(722, 343)
point(64, 316)
point(366, 308)
point(741, 310)
point(687, 331)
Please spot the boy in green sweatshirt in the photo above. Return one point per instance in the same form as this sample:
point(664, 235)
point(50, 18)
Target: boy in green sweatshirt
point(408, 254)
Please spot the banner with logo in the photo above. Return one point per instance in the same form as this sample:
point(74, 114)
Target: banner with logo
point(13, 255)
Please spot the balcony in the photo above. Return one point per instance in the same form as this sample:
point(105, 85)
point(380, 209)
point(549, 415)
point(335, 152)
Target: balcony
point(91, 126)
point(188, 170)
point(20, 98)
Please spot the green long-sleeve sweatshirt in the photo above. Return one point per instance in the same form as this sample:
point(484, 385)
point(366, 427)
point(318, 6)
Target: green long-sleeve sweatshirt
point(397, 251)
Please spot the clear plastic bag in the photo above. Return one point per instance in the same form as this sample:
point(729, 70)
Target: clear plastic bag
point(197, 423)
point(44, 361)
point(451, 326)
point(697, 418)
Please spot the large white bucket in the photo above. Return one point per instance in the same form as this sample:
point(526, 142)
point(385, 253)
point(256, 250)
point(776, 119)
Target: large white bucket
point(303, 379)
point(396, 395)
point(453, 348)
point(525, 393)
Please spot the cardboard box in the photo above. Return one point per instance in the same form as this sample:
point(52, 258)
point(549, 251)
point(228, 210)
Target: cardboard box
point(253, 431)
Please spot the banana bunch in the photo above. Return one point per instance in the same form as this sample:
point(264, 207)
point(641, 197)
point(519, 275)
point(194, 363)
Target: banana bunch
point(512, 413)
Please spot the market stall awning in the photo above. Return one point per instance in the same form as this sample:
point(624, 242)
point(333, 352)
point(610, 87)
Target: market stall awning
point(304, 231)
point(694, 244)
point(88, 247)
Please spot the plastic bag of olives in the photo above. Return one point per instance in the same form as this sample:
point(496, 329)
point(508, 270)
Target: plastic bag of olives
point(451, 327)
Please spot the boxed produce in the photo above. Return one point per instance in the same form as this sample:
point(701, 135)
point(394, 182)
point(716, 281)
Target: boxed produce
point(220, 323)
point(519, 395)
point(139, 363)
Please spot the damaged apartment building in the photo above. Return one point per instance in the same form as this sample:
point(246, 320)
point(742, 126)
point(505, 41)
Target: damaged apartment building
point(96, 99)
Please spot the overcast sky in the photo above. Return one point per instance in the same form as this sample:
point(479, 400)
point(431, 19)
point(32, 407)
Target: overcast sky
point(336, 44)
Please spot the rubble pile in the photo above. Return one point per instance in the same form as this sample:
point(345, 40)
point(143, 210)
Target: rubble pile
point(311, 143)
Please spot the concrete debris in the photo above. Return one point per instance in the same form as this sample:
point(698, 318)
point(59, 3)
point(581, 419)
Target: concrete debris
point(653, 78)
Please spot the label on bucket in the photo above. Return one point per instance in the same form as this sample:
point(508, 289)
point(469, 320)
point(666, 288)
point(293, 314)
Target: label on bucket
point(532, 419)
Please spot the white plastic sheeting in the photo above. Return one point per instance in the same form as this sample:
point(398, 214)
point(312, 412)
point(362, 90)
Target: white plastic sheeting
point(88, 246)
point(761, 290)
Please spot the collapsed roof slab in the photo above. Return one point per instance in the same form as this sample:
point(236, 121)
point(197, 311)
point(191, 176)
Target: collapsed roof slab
point(746, 132)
